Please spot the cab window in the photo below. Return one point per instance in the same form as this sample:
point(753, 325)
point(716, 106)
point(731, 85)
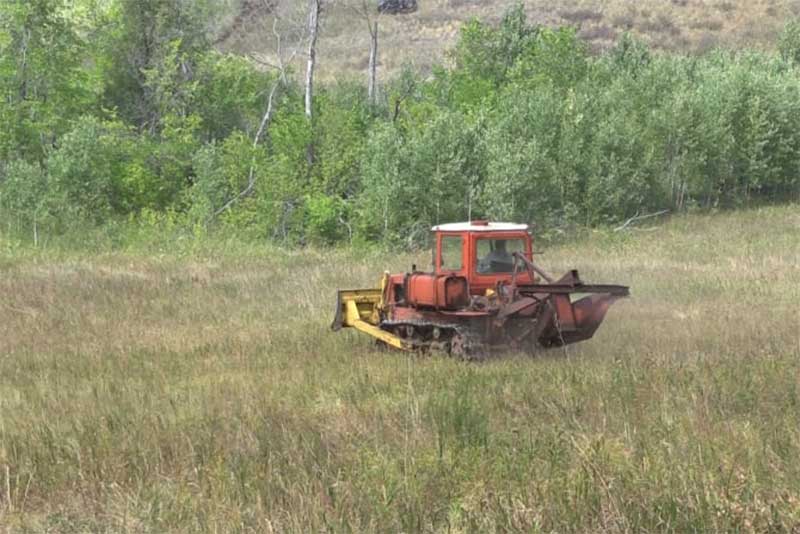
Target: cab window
point(451, 253)
point(497, 255)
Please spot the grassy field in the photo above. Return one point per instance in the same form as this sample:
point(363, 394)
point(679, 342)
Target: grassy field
point(422, 38)
point(154, 392)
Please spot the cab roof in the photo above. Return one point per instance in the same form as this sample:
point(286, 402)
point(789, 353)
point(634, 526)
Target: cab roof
point(480, 226)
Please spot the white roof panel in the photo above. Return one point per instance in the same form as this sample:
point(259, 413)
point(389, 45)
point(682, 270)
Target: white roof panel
point(480, 227)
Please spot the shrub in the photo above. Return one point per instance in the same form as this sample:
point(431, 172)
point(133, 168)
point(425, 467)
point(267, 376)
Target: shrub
point(789, 42)
point(417, 175)
point(25, 198)
point(326, 221)
point(89, 168)
point(222, 174)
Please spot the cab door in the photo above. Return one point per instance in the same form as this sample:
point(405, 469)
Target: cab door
point(451, 253)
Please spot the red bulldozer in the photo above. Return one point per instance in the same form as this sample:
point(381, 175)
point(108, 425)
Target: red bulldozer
point(485, 292)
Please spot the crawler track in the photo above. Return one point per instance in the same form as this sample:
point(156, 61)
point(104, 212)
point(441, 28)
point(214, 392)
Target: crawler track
point(424, 336)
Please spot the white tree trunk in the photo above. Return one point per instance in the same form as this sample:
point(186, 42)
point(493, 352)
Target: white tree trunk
point(313, 32)
point(373, 64)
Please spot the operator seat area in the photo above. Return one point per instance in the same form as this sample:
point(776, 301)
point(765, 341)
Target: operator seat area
point(497, 255)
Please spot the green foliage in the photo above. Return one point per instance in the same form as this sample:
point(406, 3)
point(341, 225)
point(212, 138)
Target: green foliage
point(630, 54)
point(151, 50)
point(556, 57)
point(343, 122)
point(222, 171)
point(487, 53)
point(789, 42)
point(523, 124)
point(326, 218)
point(42, 84)
point(24, 194)
point(285, 178)
point(229, 94)
point(519, 146)
point(484, 56)
point(416, 176)
point(98, 169)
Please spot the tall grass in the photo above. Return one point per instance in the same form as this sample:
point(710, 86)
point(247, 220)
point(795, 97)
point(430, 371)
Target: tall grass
point(202, 392)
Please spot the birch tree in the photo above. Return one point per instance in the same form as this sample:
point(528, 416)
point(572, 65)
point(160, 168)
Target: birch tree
point(366, 11)
point(314, 10)
point(282, 25)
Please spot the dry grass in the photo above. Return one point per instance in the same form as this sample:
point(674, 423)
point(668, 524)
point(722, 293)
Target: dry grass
point(152, 393)
point(422, 38)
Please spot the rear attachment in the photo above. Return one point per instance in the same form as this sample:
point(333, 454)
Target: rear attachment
point(562, 319)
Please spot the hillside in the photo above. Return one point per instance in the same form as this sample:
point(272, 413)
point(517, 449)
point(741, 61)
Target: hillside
point(422, 38)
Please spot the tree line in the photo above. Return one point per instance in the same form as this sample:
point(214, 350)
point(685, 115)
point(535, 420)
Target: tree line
point(118, 110)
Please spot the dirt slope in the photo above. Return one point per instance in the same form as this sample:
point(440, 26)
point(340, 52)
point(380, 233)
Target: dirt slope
point(421, 38)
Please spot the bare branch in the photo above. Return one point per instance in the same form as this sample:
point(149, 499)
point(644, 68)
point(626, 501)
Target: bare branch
point(262, 62)
point(251, 178)
point(638, 217)
point(266, 119)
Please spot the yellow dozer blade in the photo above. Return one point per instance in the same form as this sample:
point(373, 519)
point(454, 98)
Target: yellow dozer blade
point(360, 309)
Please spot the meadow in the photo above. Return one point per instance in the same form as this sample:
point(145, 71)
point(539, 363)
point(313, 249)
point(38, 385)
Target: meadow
point(191, 388)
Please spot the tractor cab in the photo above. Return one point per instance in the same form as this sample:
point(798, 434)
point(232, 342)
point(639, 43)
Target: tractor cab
point(482, 252)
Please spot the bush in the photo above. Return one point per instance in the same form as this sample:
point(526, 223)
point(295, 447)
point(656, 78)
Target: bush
point(100, 169)
point(25, 198)
point(789, 42)
point(222, 173)
point(415, 176)
point(229, 95)
point(326, 219)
